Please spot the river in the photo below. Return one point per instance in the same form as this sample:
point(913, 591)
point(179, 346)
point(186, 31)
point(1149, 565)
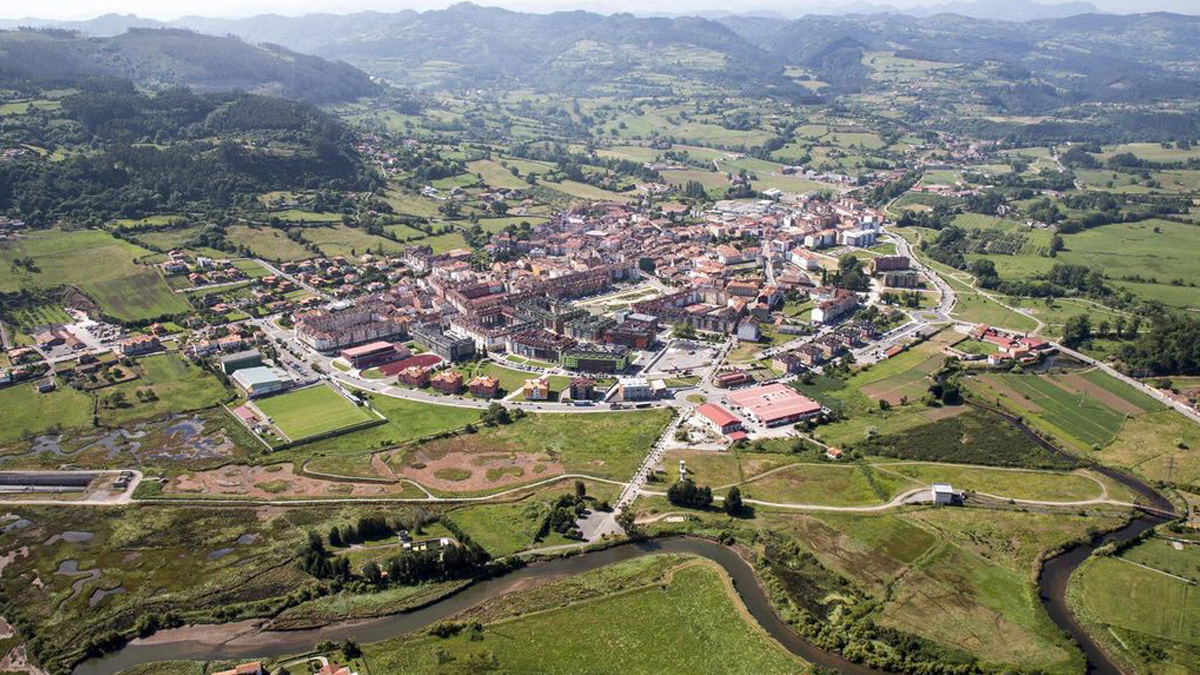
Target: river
point(244, 640)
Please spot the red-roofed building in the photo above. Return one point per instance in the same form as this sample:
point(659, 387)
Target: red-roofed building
point(484, 386)
point(720, 418)
point(447, 381)
point(374, 354)
point(774, 404)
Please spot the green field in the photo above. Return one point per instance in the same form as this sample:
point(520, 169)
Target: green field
point(1158, 249)
point(407, 420)
point(23, 411)
point(265, 242)
point(101, 265)
point(1062, 403)
point(827, 485)
point(1145, 616)
point(1160, 446)
point(606, 445)
point(315, 410)
point(686, 623)
point(1013, 484)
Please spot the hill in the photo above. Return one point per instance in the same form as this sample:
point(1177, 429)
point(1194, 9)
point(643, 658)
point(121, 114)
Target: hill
point(160, 58)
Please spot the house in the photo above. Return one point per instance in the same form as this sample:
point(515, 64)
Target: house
point(719, 418)
point(582, 389)
point(836, 308)
point(484, 386)
point(537, 389)
point(447, 381)
point(332, 668)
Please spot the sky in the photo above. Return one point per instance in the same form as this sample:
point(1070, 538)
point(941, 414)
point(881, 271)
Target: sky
point(172, 9)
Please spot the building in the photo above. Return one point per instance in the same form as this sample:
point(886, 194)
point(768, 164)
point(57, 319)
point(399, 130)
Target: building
point(732, 378)
point(261, 381)
point(890, 263)
point(635, 389)
point(748, 331)
point(413, 376)
point(836, 308)
point(582, 389)
point(444, 345)
point(330, 330)
point(537, 343)
point(447, 381)
point(238, 360)
point(719, 418)
point(774, 404)
point(139, 344)
point(944, 494)
point(484, 386)
point(613, 359)
point(374, 354)
point(537, 389)
point(332, 668)
point(788, 363)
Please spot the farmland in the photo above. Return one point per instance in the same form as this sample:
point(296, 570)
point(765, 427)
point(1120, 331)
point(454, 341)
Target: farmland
point(1085, 410)
point(312, 411)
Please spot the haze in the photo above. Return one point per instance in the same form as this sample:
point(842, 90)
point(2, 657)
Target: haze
point(156, 9)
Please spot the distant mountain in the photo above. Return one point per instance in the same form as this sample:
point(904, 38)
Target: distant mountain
point(1039, 64)
point(470, 45)
point(169, 57)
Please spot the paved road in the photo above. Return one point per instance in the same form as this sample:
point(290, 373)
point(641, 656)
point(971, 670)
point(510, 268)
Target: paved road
point(608, 524)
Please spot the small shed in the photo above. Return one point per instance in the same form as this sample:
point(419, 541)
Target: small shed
point(944, 494)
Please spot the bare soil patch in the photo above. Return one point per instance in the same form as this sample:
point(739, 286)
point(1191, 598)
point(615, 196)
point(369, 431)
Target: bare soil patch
point(1078, 383)
point(1012, 394)
point(248, 481)
point(944, 412)
point(462, 471)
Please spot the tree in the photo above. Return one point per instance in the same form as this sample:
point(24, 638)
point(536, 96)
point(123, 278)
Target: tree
point(1077, 330)
point(687, 493)
point(580, 490)
point(733, 501)
point(350, 649)
point(335, 537)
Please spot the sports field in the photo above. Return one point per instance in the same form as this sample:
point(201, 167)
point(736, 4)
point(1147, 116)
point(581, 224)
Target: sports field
point(315, 410)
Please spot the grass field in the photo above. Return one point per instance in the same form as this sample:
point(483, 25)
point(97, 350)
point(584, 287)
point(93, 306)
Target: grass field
point(1036, 485)
point(1145, 616)
point(23, 411)
point(265, 242)
point(315, 410)
point(961, 578)
point(349, 241)
point(177, 385)
point(98, 263)
point(407, 420)
point(1159, 249)
point(827, 485)
point(606, 445)
point(685, 623)
point(1159, 446)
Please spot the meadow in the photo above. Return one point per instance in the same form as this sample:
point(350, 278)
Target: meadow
point(1144, 616)
point(686, 621)
point(176, 384)
point(23, 411)
point(101, 265)
point(1158, 249)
